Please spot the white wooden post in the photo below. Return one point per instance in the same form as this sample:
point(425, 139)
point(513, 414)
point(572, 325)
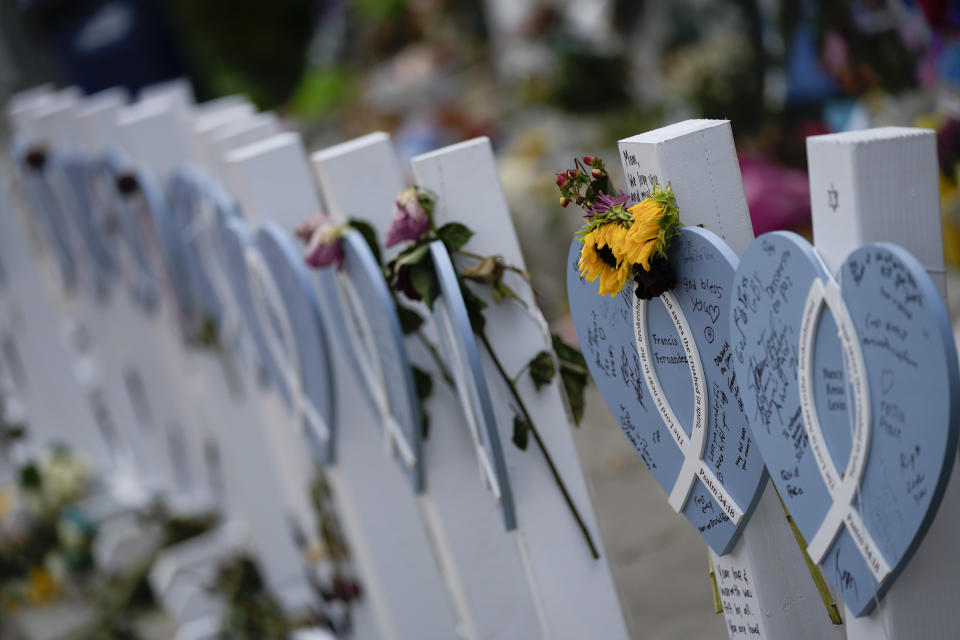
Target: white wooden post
point(387, 539)
point(880, 185)
point(698, 159)
point(483, 567)
point(574, 593)
point(53, 126)
point(261, 168)
point(253, 488)
point(234, 135)
point(45, 371)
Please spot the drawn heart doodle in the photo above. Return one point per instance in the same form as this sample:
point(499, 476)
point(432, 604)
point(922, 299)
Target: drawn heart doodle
point(664, 368)
point(851, 386)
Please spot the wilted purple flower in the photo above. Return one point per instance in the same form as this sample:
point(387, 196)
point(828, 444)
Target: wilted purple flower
point(606, 202)
point(304, 229)
point(323, 248)
point(410, 219)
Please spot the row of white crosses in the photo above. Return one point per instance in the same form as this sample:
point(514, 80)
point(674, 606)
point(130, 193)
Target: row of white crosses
point(473, 574)
point(208, 409)
point(453, 557)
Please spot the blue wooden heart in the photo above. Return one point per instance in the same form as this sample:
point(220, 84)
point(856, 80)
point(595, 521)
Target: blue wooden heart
point(364, 319)
point(197, 203)
point(851, 386)
point(293, 329)
point(664, 368)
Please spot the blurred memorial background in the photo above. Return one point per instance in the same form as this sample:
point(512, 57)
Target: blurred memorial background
point(546, 80)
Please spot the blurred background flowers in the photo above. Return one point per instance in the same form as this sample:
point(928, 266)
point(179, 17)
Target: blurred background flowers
point(545, 79)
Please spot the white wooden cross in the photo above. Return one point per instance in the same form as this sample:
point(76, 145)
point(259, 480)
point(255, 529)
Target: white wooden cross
point(35, 357)
point(698, 159)
point(574, 592)
point(485, 571)
point(51, 124)
point(389, 544)
point(880, 185)
point(255, 488)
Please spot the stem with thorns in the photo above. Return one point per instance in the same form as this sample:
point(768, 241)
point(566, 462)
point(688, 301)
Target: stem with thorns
point(543, 447)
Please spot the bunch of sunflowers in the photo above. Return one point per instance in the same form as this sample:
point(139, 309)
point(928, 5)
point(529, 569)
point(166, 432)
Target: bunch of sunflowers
point(620, 241)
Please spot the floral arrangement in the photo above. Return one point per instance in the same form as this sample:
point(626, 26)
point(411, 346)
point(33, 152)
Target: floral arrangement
point(621, 242)
point(44, 541)
point(411, 277)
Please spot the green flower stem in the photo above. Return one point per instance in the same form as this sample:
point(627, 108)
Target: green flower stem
point(543, 447)
point(432, 348)
point(515, 379)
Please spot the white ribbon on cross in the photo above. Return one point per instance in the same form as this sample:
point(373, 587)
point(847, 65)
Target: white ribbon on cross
point(368, 358)
point(843, 487)
point(283, 347)
point(692, 447)
point(465, 392)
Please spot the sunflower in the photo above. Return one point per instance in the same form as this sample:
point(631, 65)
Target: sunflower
point(602, 257)
point(654, 224)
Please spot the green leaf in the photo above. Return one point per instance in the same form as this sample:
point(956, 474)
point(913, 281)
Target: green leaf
point(424, 282)
point(501, 291)
point(424, 422)
point(542, 369)
point(475, 307)
point(423, 382)
point(454, 235)
point(521, 432)
point(369, 234)
point(412, 255)
point(573, 374)
point(410, 320)
point(30, 478)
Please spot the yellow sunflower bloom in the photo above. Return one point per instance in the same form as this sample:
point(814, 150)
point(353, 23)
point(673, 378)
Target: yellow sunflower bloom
point(590, 264)
point(613, 279)
point(594, 265)
point(641, 241)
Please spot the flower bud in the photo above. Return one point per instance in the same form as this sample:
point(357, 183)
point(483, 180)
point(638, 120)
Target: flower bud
point(588, 160)
point(561, 179)
point(564, 201)
point(597, 173)
point(572, 173)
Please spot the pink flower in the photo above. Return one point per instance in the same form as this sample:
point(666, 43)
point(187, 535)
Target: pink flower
point(304, 230)
point(561, 179)
point(778, 197)
point(323, 247)
point(410, 219)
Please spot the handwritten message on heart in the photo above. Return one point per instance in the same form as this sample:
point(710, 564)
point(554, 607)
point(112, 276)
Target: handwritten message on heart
point(851, 387)
point(665, 370)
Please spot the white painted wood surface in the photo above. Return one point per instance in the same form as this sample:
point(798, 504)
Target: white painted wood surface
point(38, 361)
point(77, 316)
point(886, 182)
point(575, 594)
point(481, 564)
point(373, 496)
point(698, 159)
point(255, 491)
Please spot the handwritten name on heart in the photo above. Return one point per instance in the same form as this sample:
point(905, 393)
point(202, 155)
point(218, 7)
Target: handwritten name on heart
point(665, 371)
point(851, 387)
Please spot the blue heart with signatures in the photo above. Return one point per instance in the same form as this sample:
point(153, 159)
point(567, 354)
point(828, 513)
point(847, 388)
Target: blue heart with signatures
point(851, 387)
point(665, 370)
